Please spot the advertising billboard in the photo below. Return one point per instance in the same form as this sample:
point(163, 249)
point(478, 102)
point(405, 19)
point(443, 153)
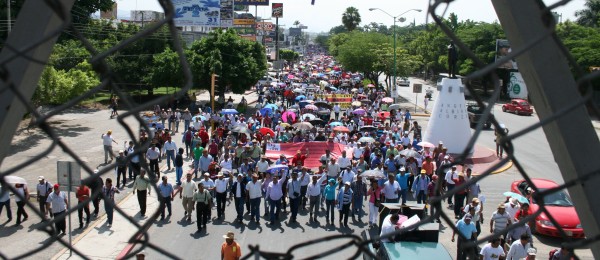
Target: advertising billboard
point(503, 49)
point(277, 10)
point(226, 13)
point(252, 2)
point(295, 32)
point(197, 12)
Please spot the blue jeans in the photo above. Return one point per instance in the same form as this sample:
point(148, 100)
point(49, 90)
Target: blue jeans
point(7, 205)
point(239, 207)
point(178, 174)
point(170, 157)
point(255, 208)
point(196, 165)
point(421, 198)
point(275, 204)
point(109, 208)
point(403, 194)
point(186, 124)
point(357, 207)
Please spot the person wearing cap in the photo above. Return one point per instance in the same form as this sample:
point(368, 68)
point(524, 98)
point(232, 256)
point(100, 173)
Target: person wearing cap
point(344, 200)
point(299, 158)
point(519, 229)
point(134, 161)
point(83, 193)
point(275, 193)
point(450, 178)
point(166, 192)
point(402, 179)
point(475, 188)
point(254, 194)
point(230, 250)
point(169, 148)
point(499, 221)
point(142, 185)
point(262, 165)
point(107, 141)
point(221, 193)
point(238, 192)
point(121, 167)
point(187, 118)
point(44, 188)
point(329, 194)
point(431, 193)
point(58, 205)
point(519, 249)
point(419, 187)
point(467, 232)
point(492, 250)
point(203, 200)
point(512, 207)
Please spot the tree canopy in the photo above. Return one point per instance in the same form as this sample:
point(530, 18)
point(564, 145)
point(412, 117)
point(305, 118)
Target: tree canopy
point(351, 18)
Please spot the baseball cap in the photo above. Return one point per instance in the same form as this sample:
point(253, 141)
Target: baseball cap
point(56, 186)
point(41, 178)
point(347, 183)
point(240, 175)
point(531, 251)
point(468, 217)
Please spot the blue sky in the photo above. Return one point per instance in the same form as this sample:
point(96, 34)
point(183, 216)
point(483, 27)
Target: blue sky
point(328, 13)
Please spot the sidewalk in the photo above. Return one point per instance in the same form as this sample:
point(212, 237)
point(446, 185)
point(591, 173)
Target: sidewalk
point(99, 241)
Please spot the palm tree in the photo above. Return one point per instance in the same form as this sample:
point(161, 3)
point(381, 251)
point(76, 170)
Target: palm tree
point(589, 16)
point(351, 18)
point(296, 23)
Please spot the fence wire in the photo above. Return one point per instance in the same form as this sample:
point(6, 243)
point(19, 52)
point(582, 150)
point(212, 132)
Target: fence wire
point(110, 80)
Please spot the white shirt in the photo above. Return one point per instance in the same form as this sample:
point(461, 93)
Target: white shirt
point(347, 176)
point(221, 185)
point(386, 228)
point(389, 190)
point(517, 250)
point(169, 146)
point(57, 201)
point(358, 152)
point(512, 212)
point(254, 189)
point(262, 166)
point(343, 162)
point(333, 170)
point(450, 176)
point(336, 108)
point(107, 139)
point(227, 164)
point(315, 189)
point(304, 180)
point(43, 188)
point(188, 188)
point(490, 253)
point(208, 183)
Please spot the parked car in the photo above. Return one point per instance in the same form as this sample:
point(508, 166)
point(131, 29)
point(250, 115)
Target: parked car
point(558, 204)
point(518, 106)
point(403, 82)
point(266, 80)
point(476, 113)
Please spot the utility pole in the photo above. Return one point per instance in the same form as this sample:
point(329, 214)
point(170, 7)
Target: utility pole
point(213, 79)
point(9, 19)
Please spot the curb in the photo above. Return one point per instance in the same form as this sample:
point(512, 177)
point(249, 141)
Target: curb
point(504, 167)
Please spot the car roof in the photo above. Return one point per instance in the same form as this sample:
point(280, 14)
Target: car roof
point(542, 183)
point(519, 100)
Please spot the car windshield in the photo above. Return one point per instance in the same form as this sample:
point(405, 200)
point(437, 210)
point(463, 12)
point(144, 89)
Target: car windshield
point(523, 103)
point(559, 198)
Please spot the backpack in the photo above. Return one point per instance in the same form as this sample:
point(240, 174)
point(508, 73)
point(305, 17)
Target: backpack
point(551, 253)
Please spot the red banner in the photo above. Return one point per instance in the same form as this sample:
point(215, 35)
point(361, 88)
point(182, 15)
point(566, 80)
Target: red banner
point(315, 150)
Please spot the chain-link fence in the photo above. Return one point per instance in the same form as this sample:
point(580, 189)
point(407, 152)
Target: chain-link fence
point(109, 80)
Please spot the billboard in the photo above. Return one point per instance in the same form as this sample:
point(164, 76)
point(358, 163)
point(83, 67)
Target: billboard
point(243, 21)
point(265, 26)
point(503, 49)
point(277, 10)
point(226, 13)
point(252, 2)
point(295, 32)
point(516, 86)
point(197, 12)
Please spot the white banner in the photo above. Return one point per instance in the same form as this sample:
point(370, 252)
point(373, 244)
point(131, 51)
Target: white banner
point(516, 86)
point(197, 12)
point(273, 147)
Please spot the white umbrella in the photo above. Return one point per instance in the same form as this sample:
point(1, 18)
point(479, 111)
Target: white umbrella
point(394, 106)
point(14, 180)
point(299, 90)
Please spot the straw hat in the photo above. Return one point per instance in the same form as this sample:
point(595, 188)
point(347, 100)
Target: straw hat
point(229, 235)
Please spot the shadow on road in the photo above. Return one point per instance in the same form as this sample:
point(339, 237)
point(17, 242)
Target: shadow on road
point(35, 136)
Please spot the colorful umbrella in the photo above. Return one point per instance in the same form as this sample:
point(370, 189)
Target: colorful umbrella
point(266, 111)
point(303, 126)
point(426, 144)
point(334, 124)
point(375, 174)
point(308, 117)
point(387, 100)
point(14, 180)
point(301, 97)
point(287, 114)
point(229, 111)
point(368, 128)
point(271, 106)
point(409, 153)
point(341, 129)
point(370, 86)
point(517, 196)
point(359, 111)
point(285, 125)
point(352, 90)
point(202, 118)
point(394, 106)
point(299, 90)
point(265, 131)
point(277, 168)
point(384, 114)
point(366, 139)
point(311, 107)
point(323, 104)
point(356, 103)
point(324, 112)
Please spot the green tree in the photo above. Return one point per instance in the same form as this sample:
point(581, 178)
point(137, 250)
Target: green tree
point(351, 18)
point(321, 40)
point(583, 43)
point(289, 55)
point(358, 53)
point(166, 70)
point(590, 15)
point(59, 86)
point(239, 63)
point(336, 41)
point(431, 46)
point(338, 29)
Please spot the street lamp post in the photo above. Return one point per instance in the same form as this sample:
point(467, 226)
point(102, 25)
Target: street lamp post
point(394, 90)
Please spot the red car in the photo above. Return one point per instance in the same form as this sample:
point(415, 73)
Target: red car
point(518, 106)
point(559, 205)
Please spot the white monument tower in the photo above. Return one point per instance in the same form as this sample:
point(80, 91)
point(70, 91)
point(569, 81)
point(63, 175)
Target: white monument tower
point(449, 121)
